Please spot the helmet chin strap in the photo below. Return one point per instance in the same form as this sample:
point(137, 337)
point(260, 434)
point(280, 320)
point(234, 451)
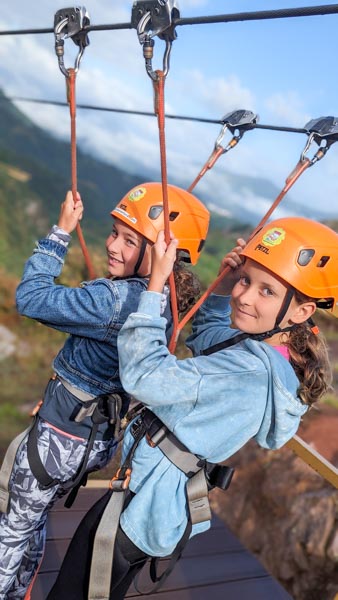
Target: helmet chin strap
point(257, 336)
point(144, 243)
point(282, 312)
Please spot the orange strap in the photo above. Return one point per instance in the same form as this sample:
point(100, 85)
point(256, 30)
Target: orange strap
point(208, 165)
point(70, 83)
point(159, 111)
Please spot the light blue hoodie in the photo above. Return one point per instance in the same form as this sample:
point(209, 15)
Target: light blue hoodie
point(213, 404)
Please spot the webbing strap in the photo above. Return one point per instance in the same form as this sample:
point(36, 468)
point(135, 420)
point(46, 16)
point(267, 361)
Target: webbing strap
point(179, 455)
point(103, 549)
point(197, 495)
point(193, 467)
point(7, 467)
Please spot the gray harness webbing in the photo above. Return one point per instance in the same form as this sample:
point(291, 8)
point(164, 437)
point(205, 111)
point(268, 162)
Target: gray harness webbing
point(190, 464)
point(7, 467)
point(103, 549)
point(197, 489)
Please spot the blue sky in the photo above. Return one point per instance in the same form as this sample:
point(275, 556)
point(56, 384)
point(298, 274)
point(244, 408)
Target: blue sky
point(285, 70)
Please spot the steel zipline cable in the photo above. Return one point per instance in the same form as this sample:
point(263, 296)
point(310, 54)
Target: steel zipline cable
point(305, 11)
point(149, 114)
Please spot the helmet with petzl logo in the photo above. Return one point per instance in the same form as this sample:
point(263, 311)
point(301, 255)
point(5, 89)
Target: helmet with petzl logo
point(303, 253)
point(142, 209)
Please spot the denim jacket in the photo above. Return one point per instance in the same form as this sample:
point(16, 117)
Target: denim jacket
point(92, 314)
point(213, 404)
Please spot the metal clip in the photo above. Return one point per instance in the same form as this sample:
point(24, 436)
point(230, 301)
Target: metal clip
point(155, 18)
point(240, 120)
point(120, 481)
point(323, 129)
point(70, 23)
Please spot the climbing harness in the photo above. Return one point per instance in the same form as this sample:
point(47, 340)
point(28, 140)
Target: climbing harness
point(101, 409)
point(238, 121)
point(202, 477)
point(71, 23)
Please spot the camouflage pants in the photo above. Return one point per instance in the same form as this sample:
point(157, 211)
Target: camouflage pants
point(23, 529)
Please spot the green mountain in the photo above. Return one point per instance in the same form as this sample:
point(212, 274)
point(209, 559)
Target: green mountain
point(34, 176)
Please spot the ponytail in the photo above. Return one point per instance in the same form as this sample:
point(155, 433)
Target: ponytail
point(188, 286)
point(309, 359)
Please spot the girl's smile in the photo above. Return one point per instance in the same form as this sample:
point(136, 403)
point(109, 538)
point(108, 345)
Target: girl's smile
point(124, 246)
point(257, 298)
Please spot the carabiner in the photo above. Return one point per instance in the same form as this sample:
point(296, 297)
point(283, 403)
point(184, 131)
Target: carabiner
point(238, 120)
point(323, 129)
point(155, 18)
point(70, 23)
point(148, 51)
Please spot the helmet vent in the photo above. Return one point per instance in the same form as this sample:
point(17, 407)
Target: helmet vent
point(173, 215)
point(154, 212)
point(304, 257)
point(322, 262)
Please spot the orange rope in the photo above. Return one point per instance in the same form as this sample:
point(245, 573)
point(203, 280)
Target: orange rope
point(208, 165)
point(159, 111)
point(70, 82)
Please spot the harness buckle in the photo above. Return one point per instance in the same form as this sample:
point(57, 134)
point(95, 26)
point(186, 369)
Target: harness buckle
point(120, 481)
point(36, 408)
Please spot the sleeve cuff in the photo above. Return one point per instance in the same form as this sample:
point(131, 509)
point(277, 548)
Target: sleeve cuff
point(217, 302)
point(57, 234)
point(150, 303)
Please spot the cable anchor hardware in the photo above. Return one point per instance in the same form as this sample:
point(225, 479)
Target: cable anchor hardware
point(155, 18)
point(323, 129)
point(237, 122)
point(71, 23)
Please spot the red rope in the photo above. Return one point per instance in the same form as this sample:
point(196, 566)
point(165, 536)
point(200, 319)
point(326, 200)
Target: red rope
point(70, 82)
point(159, 111)
point(208, 165)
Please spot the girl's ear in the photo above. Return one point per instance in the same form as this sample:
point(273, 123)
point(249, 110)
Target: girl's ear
point(303, 312)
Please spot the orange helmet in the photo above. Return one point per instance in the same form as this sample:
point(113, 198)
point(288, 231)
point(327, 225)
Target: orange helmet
point(142, 209)
point(303, 253)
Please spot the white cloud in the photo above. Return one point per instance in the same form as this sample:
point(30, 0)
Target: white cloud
point(213, 95)
point(287, 107)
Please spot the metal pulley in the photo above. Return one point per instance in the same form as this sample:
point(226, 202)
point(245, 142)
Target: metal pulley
point(238, 120)
point(322, 129)
point(71, 23)
point(155, 18)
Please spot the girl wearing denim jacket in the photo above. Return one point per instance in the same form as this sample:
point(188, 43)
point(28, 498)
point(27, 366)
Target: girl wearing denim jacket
point(272, 366)
point(87, 366)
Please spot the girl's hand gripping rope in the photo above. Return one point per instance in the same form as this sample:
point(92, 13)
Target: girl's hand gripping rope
point(232, 261)
point(70, 213)
point(163, 258)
